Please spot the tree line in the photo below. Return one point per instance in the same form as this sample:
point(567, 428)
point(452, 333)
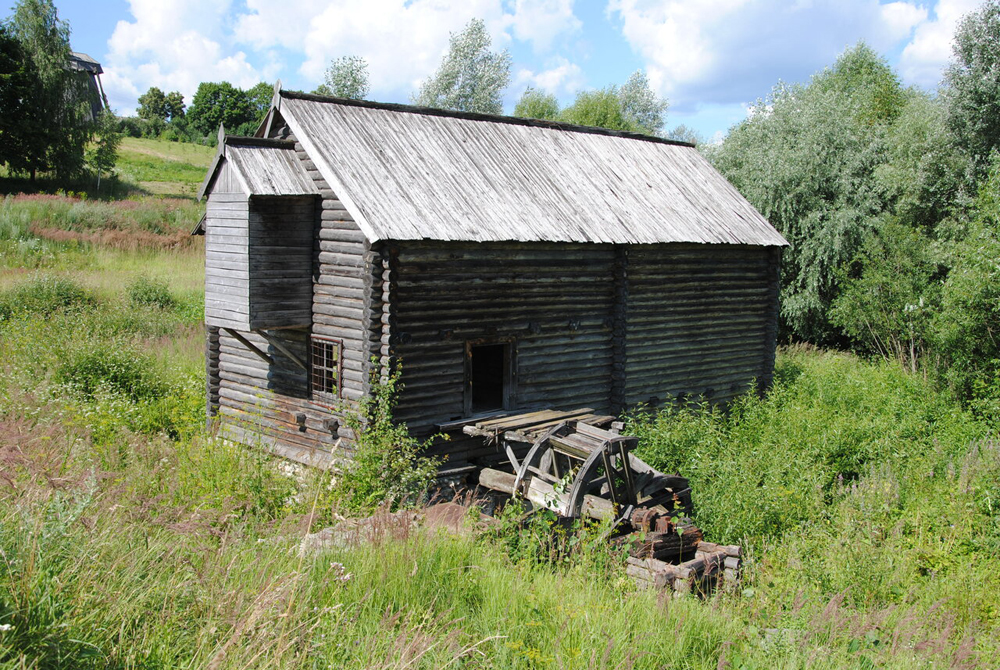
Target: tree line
point(471, 78)
point(46, 120)
point(890, 200)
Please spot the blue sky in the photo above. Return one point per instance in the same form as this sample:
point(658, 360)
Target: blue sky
point(708, 58)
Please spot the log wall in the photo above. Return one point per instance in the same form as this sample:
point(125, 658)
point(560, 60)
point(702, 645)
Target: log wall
point(551, 301)
point(701, 321)
point(600, 326)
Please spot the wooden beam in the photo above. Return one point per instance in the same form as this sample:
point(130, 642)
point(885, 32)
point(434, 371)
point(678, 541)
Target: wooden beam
point(276, 343)
point(249, 345)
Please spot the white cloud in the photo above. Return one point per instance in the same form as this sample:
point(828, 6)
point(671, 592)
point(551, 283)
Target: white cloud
point(925, 57)
point(160, 49)
point(542, 21)
point(402, 40)
point(900, 18)
point(722, 51)
point(561, 78)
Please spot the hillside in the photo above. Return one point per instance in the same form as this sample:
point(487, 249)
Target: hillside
point(164, 168)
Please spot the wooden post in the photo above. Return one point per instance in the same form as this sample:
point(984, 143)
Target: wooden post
point(619, 329)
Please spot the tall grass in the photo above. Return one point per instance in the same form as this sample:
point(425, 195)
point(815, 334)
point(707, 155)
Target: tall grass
point(868, 504)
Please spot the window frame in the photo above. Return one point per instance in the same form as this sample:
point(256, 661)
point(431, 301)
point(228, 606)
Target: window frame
point(338, 345)
point(509, 373)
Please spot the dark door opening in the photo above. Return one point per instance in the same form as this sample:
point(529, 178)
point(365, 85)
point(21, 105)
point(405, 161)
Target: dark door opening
point(488, 373)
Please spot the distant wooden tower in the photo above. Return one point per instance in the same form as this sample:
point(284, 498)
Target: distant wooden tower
point(510, 264)
point(90, 71)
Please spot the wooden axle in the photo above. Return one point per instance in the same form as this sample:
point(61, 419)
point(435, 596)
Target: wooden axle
point(593, 506)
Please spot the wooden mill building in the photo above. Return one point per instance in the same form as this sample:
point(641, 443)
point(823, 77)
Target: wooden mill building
point(506, 263)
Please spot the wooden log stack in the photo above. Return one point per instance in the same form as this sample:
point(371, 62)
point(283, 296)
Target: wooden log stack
point(712, 566)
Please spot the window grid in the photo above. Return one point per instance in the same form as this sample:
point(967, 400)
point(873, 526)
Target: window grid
point(325, 368)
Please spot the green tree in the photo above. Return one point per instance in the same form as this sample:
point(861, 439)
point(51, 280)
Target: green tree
point(17, 79)
point(972, 84)
point(632, 107)
point(601, 108)
point(923, 170)
point(683, 133)
point(806, 159)
point(535, 104)
point(887, 308)
point(152, 104)
point(58, 99)
point(173, 105)
point(347, 77)
point(967, 329)
point(471, 78)
point(104, 152)
point(641, 106)
point(219, 103)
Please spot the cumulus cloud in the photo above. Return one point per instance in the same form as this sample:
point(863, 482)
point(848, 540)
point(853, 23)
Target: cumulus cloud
point(561, 77)
point(540, 22)
point(159, 48)
point(402, 40)
point(176, 44)
point(723, 51)
point(924, 58)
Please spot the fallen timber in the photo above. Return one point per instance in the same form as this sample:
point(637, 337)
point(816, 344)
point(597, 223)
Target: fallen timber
point(580, 470)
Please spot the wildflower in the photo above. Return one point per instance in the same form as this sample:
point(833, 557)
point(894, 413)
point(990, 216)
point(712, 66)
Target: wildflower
point(4, 627)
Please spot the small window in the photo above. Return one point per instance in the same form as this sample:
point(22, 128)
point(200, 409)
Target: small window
point(325, 366)
point(489, 381)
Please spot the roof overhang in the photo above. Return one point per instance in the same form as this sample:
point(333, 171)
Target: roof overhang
point(262, 166)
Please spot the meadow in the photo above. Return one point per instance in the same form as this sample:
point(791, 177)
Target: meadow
point(867, 501)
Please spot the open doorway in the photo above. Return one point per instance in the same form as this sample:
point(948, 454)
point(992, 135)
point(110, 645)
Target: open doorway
point(489, 376)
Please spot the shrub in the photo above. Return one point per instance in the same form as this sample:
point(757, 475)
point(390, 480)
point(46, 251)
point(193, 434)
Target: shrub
point(149, 292)
point(118, 369)
point(387, 466)
point(44, 295)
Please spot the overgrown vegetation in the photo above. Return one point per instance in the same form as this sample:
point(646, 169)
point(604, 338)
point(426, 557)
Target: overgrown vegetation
point(387, 466)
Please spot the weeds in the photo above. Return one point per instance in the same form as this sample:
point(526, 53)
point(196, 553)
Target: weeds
point(386, 466)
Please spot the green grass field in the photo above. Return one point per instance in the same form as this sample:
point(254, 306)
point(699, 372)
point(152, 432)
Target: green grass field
point(868, 503)
point(164, 168)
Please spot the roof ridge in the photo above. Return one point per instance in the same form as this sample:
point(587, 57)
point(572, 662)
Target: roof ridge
point(250, 141)
point(476, 116)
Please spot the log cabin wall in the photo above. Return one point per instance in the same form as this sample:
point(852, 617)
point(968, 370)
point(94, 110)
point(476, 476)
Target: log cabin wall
point(551, 302)
point(700, 321)
point(600, 326)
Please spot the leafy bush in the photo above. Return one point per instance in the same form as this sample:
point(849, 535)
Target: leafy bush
point(44, 295)
point(150, 292)
point(967, 329)
point(119, 369)
point(772, 464)
point(387, 466)
point(888, 306)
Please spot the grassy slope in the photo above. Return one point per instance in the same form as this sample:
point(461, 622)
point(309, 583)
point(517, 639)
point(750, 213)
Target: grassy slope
point(868, 503)
point(165, 168)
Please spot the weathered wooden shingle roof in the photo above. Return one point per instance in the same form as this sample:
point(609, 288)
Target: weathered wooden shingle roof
point(408, 173)
point(263, 167)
